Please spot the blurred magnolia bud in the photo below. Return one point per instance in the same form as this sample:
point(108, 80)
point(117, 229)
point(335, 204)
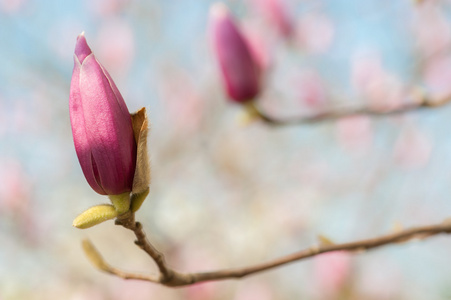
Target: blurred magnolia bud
point(240, 73)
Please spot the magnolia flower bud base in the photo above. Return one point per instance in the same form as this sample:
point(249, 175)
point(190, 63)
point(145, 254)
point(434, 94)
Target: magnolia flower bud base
point(125, 203)
point(250, 114)
point(121, 202)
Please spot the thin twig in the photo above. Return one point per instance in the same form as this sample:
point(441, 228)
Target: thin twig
point(97, 260)
point(337, 113)
point(158, 257)
point(170, 277)
point(128, 221)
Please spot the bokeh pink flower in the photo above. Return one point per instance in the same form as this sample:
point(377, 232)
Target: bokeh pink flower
point(332, 270)
point(431, 29)
point(381, 87)
point(437, 76)
point(277, 13)
point(239, 69)
point(315, 33)
point(355, 134)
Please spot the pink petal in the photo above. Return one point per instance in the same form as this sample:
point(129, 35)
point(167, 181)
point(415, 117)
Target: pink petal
point(81, 48)
point(119, 98)
point(77, 120)
point(239, 70)
point(108, 128)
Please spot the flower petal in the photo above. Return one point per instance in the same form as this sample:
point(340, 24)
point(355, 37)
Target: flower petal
point(239, 70)
point(82, 49)
point(119, 98)
point(108, 129)
point(82, 146)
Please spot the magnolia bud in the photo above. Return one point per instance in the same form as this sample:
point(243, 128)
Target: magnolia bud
point(111, 144)
point(101, 125)
point(240, 73)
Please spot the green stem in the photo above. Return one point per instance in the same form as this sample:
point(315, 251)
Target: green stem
point(121, 202)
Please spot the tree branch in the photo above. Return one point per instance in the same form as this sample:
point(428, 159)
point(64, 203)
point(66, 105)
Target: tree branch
point(172, 278)
point(97, 260)
point(338, 113)
point(128, 221)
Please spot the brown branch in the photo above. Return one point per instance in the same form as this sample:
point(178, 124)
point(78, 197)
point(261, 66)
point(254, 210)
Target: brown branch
point(170, 277)
point(97, 260)
point(128, 221)
point(337, 113)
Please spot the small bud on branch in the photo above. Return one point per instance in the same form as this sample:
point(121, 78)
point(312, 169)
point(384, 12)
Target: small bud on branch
point(95, 215)
point(101, 125)
point(111, 144)
point(239, 70)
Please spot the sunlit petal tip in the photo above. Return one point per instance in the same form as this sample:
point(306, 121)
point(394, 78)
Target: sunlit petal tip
point(82, 49)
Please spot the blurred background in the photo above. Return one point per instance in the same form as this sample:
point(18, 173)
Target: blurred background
point(225, 194)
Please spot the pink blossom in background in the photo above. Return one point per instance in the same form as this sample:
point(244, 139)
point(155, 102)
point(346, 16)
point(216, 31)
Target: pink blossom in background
point(253, 291)
point(135, 289)
point(390, 95)
point(355, 134)
point(116, 45)
point(315, 32)
point(88, 293)
point(332, 271)
point(365, 68)
point(194, 258)
point(12, 6)
point(106, 8)
point(202, 291)
point(311, 90)
point(380, 279)
point(294, 214)
point(101, 125)
point(239, 70)
point(371, 80)
point(277, 14)
point(183, 103)
point(15, 190)
point(412, 149)
point(431, 29)
point(437, 77)
point(259, 45)
point(16, 200)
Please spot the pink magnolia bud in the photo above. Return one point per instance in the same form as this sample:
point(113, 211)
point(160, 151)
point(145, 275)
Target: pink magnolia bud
point(101, 125)
point(277, 13)
point(240, 72)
